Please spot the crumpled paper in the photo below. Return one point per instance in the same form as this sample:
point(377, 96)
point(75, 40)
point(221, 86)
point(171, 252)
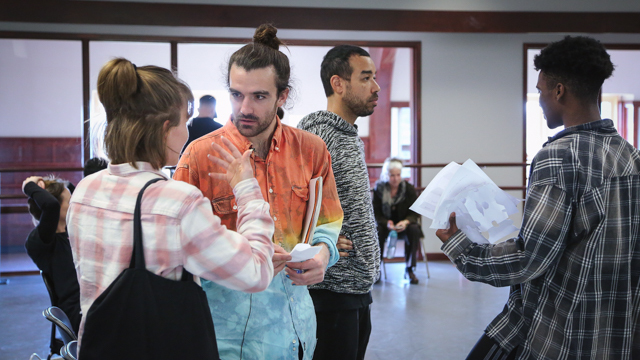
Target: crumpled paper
point(480, 205)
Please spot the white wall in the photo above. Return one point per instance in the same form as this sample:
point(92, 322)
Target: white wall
point(471, 87)
point(626, 76)
point(44, 98)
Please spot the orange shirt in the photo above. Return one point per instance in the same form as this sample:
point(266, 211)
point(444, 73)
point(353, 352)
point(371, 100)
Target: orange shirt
point(295, 157)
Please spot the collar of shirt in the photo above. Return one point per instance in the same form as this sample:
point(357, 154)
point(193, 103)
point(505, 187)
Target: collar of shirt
point(243, 144)
point(127, 169)
point(604, 125)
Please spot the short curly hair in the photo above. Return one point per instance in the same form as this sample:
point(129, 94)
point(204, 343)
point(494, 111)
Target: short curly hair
point(581, 63)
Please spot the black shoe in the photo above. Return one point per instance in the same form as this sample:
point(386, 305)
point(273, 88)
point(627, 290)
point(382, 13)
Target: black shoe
point(412, 277)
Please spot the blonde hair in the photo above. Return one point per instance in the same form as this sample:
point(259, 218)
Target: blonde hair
point(137, 102)
point(389, 164)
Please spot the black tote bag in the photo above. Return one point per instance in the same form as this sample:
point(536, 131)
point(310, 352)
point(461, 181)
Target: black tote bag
point(142, 315)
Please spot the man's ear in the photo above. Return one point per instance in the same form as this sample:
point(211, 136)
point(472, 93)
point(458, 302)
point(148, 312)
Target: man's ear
point(337, 84)
point(282, 98)
point(560, 91)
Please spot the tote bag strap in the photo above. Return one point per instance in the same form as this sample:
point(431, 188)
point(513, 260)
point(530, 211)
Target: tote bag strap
point(137, 257)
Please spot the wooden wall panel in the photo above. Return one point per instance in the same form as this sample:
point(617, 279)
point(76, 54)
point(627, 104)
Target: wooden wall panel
point(31, 152)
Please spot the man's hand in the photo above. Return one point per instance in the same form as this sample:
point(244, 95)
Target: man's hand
point(238, 166)
point(311, 271)
point(445, 234)
point(402, 225)
point(280, 258)
point(391, 225)
point(344, 244)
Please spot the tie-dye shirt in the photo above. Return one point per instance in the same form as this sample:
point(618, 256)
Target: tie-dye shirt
point(271, 324)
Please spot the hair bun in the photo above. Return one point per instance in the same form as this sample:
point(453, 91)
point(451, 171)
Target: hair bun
point(266, 35)
point(117, 83)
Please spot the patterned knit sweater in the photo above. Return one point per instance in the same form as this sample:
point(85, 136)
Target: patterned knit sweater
point(356, 273)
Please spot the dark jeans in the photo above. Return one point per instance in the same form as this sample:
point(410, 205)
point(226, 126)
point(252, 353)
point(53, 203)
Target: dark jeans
point(343, 335)
point(488, 349)
point(411, 236)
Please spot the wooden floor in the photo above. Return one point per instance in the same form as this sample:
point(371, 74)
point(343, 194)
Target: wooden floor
point(440, 318)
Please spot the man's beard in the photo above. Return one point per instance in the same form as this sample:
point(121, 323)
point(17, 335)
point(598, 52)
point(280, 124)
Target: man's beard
point(260, 126)
point(358, 106)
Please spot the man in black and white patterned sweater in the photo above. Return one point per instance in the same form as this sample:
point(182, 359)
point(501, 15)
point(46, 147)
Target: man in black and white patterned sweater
point(343, 300)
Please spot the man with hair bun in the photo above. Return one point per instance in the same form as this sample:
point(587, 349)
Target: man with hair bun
point(574, 268)
point(280, 322)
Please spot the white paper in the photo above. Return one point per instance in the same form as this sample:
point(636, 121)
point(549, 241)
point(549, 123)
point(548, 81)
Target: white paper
point(480, 205)
point(304, 252)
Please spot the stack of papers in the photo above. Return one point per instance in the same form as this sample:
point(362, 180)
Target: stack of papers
point(480, 205)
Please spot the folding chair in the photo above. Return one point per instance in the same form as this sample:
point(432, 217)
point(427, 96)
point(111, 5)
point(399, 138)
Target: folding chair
point(70, 351)
point(55, 344)
point(424, 253)
point(62, 322)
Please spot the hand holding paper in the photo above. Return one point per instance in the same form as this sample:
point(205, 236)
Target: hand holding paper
point(480, 205)
point(304, 252)
point(310, 271)
point(445, 234)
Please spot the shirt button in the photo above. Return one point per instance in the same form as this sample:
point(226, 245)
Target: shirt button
point(294, 341)
point(275, 218)
point(270, 191)
point(292, 299)
point(294, 348)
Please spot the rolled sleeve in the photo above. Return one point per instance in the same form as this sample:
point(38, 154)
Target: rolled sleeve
point(327, 234)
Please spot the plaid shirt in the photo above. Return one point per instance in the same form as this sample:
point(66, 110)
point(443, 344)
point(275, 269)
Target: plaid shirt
point(574, 269)
point(178, 226)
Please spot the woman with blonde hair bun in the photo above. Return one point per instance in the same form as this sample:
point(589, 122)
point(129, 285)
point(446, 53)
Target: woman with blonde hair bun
point(147, 109)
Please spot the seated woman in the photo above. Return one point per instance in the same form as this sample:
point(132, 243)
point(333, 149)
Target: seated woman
point(48, 244)
point(392, 198)
point(147, 110)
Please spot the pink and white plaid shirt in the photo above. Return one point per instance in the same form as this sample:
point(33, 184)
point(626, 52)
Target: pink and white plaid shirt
point(178, 229)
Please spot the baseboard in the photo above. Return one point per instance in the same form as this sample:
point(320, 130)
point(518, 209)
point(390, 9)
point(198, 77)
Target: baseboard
point(20, 273)
point(430, 257)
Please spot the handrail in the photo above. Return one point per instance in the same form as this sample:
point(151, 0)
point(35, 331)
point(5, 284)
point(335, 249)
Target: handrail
point(39, 169)
point(373, 165)
point(505, 164)
point(12, 196)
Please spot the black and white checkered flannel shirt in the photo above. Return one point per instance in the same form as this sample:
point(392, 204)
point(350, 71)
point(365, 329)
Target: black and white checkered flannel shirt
point(574, 269)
